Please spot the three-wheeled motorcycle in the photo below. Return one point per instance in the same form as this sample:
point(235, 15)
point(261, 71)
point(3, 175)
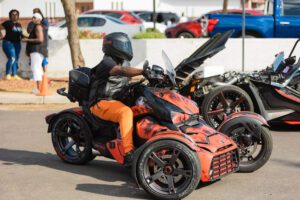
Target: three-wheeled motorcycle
point(175, 149)
point(273, 92)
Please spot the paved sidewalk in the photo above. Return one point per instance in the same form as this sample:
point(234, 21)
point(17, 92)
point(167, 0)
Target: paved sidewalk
point(27, 98)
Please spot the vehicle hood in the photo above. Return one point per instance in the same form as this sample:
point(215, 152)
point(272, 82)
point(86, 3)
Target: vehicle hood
point(186, 69)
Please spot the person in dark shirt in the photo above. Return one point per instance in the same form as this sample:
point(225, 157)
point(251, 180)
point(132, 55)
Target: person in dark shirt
point(12, 43)
point(109, 79)
point(45, 25)
point(36, 49)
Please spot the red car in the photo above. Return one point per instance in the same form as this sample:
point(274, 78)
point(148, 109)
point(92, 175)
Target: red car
point(124, 16)
point(192, 29)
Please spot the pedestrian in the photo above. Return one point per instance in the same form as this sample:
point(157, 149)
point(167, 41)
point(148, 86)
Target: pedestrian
point(45, 25)
point(12, 43)
point(37, 49)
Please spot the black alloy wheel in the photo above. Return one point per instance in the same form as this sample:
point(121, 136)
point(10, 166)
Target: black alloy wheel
point(223, 101)
point(255, 145)
point(168, 170)
point(71, 139)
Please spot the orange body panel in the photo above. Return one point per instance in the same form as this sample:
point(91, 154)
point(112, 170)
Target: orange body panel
point(187, 105)
point(292, 122)
point(139, 110)
point(115, 147)
point(146, 128)
point(288, 96)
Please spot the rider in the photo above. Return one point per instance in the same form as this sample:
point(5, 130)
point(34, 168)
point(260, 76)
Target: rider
point(109, 79)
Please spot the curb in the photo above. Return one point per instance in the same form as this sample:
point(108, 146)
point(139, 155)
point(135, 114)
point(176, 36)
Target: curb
point(25, 98)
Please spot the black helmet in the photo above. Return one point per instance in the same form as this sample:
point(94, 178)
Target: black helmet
point(117, 45)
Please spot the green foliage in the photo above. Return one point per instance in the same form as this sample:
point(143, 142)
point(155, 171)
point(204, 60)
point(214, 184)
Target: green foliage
point(150, 33)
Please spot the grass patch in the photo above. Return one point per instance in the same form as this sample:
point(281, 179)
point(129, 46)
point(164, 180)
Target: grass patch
point(149, 34)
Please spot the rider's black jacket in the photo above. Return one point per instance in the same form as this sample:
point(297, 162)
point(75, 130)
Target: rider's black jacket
point(105, 86)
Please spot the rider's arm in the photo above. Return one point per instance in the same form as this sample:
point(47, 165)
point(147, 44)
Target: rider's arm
point(1, 35)
point(125, 71)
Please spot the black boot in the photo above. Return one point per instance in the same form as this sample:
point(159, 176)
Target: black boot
point(128, 159)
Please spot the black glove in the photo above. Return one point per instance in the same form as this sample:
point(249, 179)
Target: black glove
point(146, 73)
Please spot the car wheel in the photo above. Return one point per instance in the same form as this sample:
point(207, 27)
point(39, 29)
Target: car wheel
point(185, 35)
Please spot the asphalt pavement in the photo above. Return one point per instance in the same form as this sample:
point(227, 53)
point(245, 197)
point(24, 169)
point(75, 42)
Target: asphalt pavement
point(30, 169)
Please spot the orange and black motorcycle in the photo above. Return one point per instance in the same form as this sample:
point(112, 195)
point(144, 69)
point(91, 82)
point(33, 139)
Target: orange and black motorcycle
point(175, 149)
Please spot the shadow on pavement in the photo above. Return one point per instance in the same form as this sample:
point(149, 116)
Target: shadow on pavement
point(102, 170)
point(287, 163)
point(285, 127)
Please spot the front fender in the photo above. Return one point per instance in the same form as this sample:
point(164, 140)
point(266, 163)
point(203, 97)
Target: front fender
point(246, 119)
point(170, 135)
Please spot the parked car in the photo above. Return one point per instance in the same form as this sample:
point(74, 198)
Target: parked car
point(95, 23)
point(193, 28)
point(163, 19)
point(281, 20)
point(125, 16)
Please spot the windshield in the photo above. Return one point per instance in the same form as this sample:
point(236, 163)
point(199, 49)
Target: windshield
point(278, 61)
point(169, 68)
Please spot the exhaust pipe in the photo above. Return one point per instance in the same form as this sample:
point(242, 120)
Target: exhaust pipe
point(231, 82)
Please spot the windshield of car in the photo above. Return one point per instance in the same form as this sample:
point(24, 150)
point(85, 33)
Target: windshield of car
point(278, 61)
point(169, 68)
point(115, 20)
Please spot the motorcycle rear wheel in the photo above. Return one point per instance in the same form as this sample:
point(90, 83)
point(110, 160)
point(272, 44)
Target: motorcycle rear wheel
point(72, 139)
point(223, 101)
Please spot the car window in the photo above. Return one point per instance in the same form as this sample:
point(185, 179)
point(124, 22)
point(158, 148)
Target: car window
point(99, 21)
point(291, 7)
point(146, 16)
point(115, 20)
point(85, 21)
point(113, 14)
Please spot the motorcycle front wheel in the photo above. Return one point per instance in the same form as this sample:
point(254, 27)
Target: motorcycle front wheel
point(168, 170)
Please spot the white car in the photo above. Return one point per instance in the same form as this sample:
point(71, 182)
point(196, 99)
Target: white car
point(95, 23)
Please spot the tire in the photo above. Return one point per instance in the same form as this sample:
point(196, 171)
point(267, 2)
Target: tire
point(295, 83)
point(185, 35)
point(212, 106)
point(166, 170)
point(262, 147)
point(72, 139)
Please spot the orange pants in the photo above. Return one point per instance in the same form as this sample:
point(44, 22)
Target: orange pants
point(116, 111)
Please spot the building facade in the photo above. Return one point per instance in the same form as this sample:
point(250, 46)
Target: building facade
point(189, 8)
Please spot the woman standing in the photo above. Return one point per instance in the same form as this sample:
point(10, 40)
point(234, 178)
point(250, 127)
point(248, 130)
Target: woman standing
point(37, 49)
point(12, 43)
point(45, 25)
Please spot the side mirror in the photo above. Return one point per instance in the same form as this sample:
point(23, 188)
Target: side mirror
point(146, 65)
point(290, 60)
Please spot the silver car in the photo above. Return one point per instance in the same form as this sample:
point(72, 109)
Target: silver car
point(97, 24)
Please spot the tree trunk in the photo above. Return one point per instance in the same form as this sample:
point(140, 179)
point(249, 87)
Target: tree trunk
point(73, 36)
point(225, 6)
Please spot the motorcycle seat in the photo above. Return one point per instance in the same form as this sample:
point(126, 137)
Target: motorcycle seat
point(96, 120)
